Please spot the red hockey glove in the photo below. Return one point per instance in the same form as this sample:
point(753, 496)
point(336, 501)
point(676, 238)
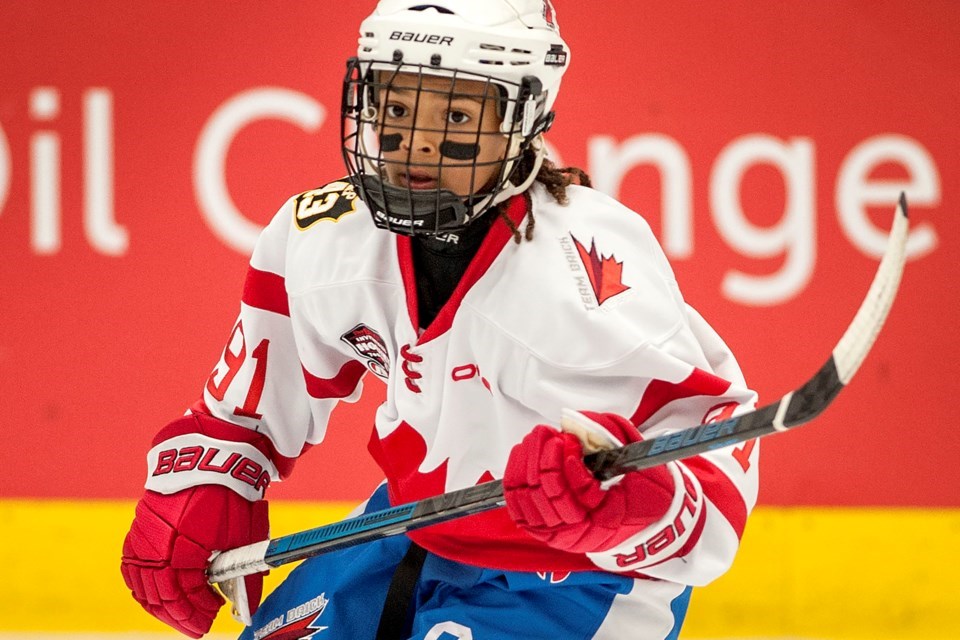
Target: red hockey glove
point(552, 495)
point(168, 548)
point(176, 529)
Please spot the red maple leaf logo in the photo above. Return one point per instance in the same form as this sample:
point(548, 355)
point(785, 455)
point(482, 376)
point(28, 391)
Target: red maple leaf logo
point(605, 272)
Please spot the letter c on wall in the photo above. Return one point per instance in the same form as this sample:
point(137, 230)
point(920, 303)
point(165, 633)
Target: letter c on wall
point(209, 160)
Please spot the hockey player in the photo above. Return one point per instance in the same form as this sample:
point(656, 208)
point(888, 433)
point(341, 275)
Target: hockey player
point(513, 313)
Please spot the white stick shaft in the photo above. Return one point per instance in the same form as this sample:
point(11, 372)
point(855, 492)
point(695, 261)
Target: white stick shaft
point(242, 561)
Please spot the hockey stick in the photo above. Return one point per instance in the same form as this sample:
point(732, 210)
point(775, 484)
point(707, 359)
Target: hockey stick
point(793, 409)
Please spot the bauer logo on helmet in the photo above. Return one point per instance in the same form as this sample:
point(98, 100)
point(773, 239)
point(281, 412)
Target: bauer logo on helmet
point(556, 57)
point(426, 38)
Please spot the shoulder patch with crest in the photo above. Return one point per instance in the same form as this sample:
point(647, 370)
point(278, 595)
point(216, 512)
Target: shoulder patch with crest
point(330, 202)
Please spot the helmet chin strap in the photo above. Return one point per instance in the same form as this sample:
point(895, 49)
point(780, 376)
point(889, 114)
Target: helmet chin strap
point(511, 189)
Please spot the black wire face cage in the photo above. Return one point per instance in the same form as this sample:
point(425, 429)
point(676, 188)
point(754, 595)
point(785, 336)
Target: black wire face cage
point(420, 169)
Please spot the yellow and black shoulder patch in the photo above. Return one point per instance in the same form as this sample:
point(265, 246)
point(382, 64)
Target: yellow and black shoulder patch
point(331, 202)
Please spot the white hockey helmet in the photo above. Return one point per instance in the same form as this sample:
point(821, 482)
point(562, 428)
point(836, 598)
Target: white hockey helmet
point(512, 45)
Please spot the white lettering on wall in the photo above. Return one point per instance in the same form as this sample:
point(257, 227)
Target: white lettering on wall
point(209, 161)
point(5, 169)
point(609, 161)
point(855, 191)
point(608, 164)
point(45, 174)
point(794, 236)
point(99, 224)
point(46, 211)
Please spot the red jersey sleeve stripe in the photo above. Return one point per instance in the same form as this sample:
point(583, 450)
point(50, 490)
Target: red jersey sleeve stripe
point(720, 490)
point(339, 386)
point(266, 291)
point(659, 393)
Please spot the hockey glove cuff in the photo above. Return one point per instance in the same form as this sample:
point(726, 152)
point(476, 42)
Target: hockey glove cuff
point(202, 496)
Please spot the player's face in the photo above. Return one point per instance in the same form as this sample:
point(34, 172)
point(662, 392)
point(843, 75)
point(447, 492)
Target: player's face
point(439, 134)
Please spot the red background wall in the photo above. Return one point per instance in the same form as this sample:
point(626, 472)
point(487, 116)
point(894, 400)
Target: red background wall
point(106, 335)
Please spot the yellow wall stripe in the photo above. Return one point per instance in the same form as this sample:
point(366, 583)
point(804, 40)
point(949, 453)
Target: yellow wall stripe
point(838, 573)
point(851, 573)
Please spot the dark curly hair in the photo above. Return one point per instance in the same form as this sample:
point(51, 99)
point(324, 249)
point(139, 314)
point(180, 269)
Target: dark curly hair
point(554, 178)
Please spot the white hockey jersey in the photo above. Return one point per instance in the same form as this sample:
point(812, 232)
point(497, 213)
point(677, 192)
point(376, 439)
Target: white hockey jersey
point(586, 315)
